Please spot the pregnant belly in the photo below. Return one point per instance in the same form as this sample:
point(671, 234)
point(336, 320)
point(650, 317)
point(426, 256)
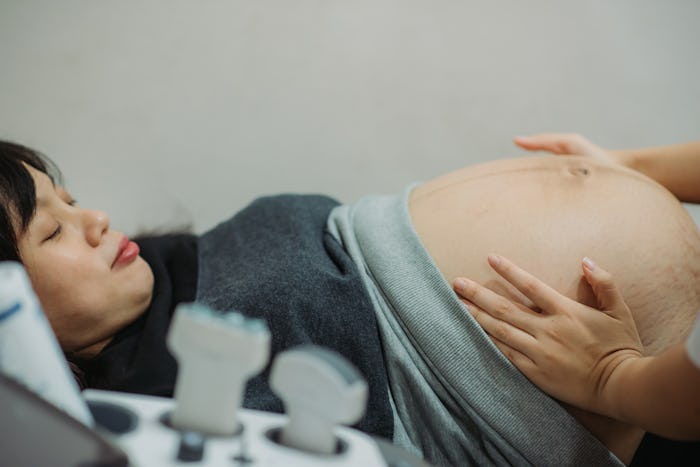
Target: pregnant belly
point(546, 214)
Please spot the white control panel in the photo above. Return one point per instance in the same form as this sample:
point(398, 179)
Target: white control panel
point(149, 440)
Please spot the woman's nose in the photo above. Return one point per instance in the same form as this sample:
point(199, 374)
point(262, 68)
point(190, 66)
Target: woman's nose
point(97, 224)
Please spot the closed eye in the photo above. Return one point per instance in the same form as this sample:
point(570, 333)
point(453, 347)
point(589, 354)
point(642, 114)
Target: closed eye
point(55, 234)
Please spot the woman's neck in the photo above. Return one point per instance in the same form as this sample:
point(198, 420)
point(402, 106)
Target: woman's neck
point(92, 350)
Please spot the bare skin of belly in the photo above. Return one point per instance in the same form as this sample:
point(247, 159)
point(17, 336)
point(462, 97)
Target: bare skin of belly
point(546, 214)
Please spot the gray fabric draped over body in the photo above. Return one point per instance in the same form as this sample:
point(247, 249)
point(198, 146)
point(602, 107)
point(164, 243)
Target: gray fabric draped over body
point(456, 399)
point(275, 260)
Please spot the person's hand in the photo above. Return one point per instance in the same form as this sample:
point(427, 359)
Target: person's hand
point(565, 144)
point(566, 348)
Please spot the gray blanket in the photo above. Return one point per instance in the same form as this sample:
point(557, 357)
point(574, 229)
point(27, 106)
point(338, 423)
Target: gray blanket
point(275, 260)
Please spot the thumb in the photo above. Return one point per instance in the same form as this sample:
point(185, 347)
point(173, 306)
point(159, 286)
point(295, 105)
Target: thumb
point(608, 295)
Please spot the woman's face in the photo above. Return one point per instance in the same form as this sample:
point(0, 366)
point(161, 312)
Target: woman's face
point(89, 279)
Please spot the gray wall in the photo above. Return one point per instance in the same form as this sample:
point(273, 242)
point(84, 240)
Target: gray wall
point(169, 111)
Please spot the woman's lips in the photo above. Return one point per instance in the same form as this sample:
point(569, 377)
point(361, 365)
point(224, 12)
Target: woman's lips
point(128, 251)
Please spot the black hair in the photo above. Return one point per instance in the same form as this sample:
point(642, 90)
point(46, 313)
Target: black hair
point(18, 193)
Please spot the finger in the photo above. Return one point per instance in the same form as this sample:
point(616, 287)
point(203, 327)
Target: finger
point(495, 305)
point(540, 293)
point(603, 284)
point(526, 365)
point(502, 331)
point(520, 360)
point(522, 353)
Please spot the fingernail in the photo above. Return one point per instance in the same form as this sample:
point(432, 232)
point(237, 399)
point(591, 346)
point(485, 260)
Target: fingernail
point(495, 260)
point(589, 264)
point(461, 283)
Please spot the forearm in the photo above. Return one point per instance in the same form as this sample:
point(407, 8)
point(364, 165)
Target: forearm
point(676, 167)
point(660, 394)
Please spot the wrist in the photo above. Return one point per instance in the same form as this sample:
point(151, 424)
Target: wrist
point(617, 398)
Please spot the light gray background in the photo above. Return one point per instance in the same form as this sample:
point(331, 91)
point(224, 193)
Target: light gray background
point(165, 112)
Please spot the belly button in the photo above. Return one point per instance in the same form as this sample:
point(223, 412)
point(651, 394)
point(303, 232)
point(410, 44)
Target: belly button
point(579, 171)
